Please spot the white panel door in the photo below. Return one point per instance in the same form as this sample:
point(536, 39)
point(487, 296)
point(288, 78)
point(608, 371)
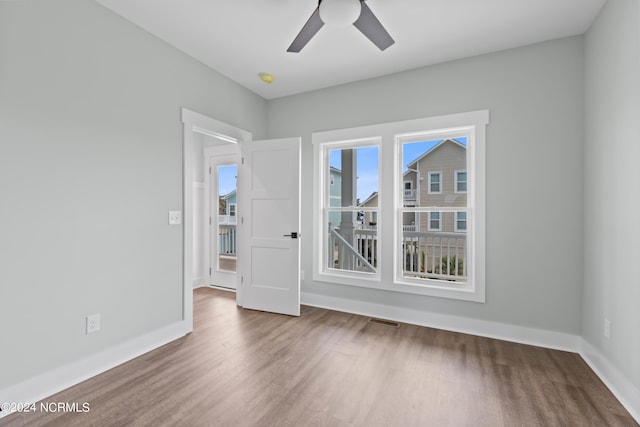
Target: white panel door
point(270, 219)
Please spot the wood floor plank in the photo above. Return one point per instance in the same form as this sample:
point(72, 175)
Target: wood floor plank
point(248, 368)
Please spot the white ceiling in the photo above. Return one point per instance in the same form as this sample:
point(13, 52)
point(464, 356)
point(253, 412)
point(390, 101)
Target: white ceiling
point(242, 38)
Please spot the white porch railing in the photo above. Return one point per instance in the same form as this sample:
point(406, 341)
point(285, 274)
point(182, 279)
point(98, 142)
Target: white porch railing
point(227, 219)
point(435, 255)
point(431, 255)
point(409, 194)
point(226, 239)
point(344, 256)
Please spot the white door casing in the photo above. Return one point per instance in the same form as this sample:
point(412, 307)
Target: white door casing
point(193, 124)
point(269, 259)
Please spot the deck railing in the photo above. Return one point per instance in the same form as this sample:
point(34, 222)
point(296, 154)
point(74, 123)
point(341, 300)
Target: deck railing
point(227, 239)
point(227, 219)
point(430, 255)
point(434, 255)
point(344, 256)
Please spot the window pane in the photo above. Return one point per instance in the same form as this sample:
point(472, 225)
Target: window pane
point(354, 174)
point(352, 232)
point(461, 221)
point(353, 245)
point(434, 255)
point(434, 243)
point(461, 182)
point(227, 199)
point(434, 182)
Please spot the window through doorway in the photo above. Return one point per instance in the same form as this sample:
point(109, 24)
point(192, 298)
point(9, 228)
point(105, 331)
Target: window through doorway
point(227, 195)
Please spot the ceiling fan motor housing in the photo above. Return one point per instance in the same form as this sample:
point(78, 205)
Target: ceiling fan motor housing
point(339, 13)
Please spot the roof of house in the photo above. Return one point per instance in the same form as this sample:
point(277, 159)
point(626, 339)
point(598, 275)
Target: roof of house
point(229, 195)
point(432, 149)
point(368, 199)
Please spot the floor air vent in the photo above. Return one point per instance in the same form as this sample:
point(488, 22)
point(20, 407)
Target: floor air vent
point(384, 322)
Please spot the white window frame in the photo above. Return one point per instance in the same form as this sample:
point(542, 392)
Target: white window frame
point(430, 174)
point(390, 136)
point(455, 222)
point(235, 209)
point(321, 271)
point(429, 219)
point(455, 178)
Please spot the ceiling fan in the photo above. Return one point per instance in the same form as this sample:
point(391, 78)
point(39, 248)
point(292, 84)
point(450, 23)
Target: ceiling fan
point(336, 10)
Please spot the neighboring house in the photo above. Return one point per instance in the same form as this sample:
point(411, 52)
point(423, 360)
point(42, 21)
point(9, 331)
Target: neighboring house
point(370, 218)
point(436, 178)
point(335, 194)
point(228, 202)
point(441, 174)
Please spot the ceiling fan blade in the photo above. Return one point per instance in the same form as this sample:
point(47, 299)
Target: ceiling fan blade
point(309, 30)
point(369, 25)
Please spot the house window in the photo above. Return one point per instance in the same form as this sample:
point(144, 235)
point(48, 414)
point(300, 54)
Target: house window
point(435, 182)
point(408, 190)
point(434, 221)
point(232, 209)
point(432, 246)
point(461, 221)
point(461, 181)
point(350, 210)
point(332, 180)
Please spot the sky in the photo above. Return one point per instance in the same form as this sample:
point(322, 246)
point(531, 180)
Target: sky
point(367, 163)
point(227, 178)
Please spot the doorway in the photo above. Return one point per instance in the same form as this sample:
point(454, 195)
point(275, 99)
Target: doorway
point(223, 235)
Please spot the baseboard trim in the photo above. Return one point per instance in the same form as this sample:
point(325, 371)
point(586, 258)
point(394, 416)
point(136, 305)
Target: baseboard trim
point(200, 282)
point(483, 328)
point(56, 380)
point(620, 386)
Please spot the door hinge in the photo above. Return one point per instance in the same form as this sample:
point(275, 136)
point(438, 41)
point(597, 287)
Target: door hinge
point(209, 220)
point(209, 271)
point(241, 279)
point(242, 220)
point(243, 160)
point(209, 170)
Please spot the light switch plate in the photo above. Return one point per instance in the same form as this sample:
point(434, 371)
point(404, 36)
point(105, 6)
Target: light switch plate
point(175, 217)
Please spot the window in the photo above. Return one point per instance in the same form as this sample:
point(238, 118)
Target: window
point(434, 221)
point(461, 181)
point(232, 209)
point(461, 221)
point(435, 183)
point(439, 252)
point(373, 236)
point(350, 210)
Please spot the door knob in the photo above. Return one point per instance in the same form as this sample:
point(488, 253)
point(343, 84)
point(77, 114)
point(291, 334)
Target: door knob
point(293, 235)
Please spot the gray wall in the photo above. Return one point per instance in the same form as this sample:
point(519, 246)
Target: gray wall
point(612, 177)
point(534, 172)
point(90, 163)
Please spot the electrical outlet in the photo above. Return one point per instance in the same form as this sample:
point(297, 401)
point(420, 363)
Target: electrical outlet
point(175, 217)
point(607, 328)
point(93, 323)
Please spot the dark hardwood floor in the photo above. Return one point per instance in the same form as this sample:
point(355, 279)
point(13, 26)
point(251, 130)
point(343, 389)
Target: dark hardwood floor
point(248, 368)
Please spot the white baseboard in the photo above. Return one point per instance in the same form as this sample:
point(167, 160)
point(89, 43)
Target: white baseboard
point(56, 380)
point(627, 393)
point(622, 389)
point(483, 328)
point(200, 282)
